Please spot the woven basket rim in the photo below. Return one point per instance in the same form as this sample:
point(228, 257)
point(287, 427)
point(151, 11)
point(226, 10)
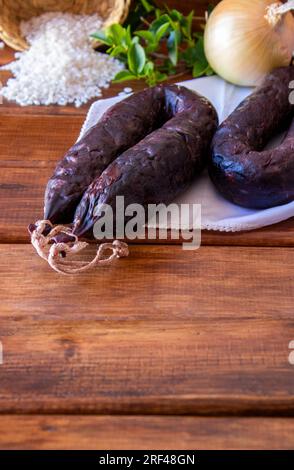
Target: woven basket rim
point(12, 36)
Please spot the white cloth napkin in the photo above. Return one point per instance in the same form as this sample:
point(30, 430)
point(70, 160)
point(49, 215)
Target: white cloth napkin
point(217, 213)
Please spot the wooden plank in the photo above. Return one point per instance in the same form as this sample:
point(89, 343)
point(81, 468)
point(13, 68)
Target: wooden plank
point(22, 195)
point(281, 234)
point(36, 141)
point(21, 201)
point(163, 331)
point(143, 432)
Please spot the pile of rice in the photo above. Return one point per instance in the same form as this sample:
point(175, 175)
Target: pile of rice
point(60, 66)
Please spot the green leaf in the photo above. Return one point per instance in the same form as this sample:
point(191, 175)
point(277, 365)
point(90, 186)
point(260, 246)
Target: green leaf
point(102, 37)
point(161, 31)
point(159, 22)
point(128, 37)
point(160, 77)
point(189, 56)
point(176, 15)
point(197, 35)
point(135, 40)
point(209, 71)
point(124, 75)
point(199, 50)
point(172, 46)
point(195, 58)
point(117, 32)
point(158, 13)
point(148, 7)
point(148, 36)
point(149, 68)
point(155, 77)
point(117, 50)
point(198, 70)
point(136, 58)
point(141, 50)
point(187, 26)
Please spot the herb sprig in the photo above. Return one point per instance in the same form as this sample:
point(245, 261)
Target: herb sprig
point(166, 46)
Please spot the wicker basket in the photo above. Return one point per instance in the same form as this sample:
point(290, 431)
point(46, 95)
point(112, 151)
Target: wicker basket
point(12, 12)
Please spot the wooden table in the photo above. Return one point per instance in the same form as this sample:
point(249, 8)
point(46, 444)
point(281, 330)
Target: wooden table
point(165, 349)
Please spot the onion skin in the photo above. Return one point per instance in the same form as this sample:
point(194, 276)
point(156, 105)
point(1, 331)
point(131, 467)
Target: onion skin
point(240, 168)
point(242, 46)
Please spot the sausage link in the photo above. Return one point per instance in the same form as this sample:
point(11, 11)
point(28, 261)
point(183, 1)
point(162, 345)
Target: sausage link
point(160, 166)
point(242, 170)
point(123, 125)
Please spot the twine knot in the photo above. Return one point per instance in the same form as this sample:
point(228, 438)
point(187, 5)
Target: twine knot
point(44, 236)
point(121, 249)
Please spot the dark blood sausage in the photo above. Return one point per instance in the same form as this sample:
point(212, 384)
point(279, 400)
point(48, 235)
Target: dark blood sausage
point(160, 166)
point(240, 168)
point(122, 126)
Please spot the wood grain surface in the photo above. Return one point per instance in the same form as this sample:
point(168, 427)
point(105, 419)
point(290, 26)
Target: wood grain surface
point(165, 349)
point(163, 331)
point(112, 432)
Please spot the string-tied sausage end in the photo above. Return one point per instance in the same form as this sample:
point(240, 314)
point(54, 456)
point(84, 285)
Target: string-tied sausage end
point(44, 238)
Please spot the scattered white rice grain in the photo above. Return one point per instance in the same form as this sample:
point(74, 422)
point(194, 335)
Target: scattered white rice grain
point(60, 66)
point(2, 45)
point(126, 91)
